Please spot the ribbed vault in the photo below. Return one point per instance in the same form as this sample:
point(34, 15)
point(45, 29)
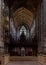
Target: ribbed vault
point(23, 15)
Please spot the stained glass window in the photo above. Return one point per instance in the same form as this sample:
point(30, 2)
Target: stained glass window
point(23, 30)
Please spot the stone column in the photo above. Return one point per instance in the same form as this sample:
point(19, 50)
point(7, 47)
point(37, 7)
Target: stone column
point(38, 21)
point(44, 19)
point(40, 27)
point(41, 23)
point(1, 38)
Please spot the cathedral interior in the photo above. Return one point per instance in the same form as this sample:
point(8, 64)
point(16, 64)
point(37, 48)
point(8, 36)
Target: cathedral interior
point(23, 28)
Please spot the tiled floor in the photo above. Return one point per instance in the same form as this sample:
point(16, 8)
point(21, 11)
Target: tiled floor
point(24, 63)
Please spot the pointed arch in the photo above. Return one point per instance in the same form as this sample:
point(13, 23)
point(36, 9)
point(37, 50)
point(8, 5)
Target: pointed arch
point(26, 30)
point(23, 30)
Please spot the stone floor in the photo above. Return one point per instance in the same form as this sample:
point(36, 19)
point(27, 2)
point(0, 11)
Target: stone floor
point(24, 63)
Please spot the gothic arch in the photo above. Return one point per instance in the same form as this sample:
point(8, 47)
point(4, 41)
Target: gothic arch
point(27, 30)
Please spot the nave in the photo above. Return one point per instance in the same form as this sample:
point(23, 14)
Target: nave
point(24, 63)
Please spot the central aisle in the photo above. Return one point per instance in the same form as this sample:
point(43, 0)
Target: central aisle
point(24, 63)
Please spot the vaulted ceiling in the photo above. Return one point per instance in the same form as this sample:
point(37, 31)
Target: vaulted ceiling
point(23, 10)
point(23, 15)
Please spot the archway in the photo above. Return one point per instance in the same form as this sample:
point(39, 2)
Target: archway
point(23, 28)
